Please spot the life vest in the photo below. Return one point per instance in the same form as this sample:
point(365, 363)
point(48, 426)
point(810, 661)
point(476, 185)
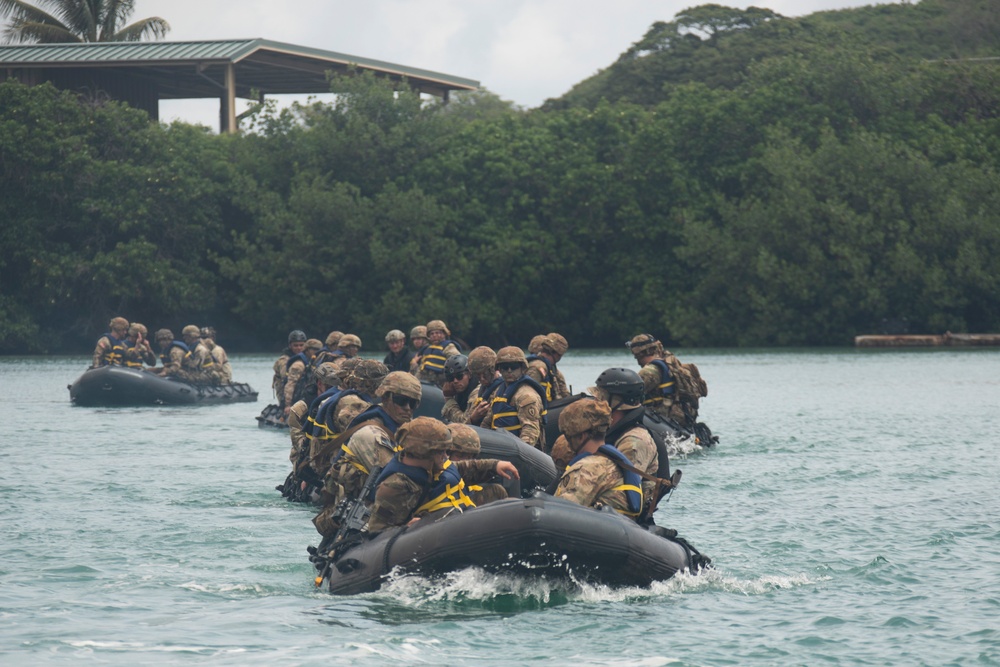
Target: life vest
point(632, 485)
point(130, 362)
point(165, 355)
point(372, 414)
point(446, 490)
point(324, 419)
point(487, 391)
point(505, 414)
point(300, 385)
point(115, 354)
point(432, 356)
point(666, 387)
point(550, 375)
point(312, 427)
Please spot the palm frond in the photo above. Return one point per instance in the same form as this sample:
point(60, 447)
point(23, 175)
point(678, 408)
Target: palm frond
point(154, 28)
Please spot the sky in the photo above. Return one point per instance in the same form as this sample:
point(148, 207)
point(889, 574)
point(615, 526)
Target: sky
point(525, 51)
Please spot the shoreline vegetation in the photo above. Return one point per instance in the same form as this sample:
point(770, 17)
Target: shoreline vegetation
point(736, 178)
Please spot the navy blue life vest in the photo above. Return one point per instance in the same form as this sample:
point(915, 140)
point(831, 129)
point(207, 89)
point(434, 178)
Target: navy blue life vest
point(165, 355)
point(446, 490)
point(114, 355)
point(324, 420)
point(130, 362)
point(432, 356)
point(505, 414)
point(379, 413)
point(313, 428)
point(632, 484)
point(301, 356)
point(666, 387)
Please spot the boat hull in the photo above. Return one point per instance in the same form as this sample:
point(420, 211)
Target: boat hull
point(538, 536)
point(110, 386)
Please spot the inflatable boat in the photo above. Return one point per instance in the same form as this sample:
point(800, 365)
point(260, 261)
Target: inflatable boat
point(120, 385)
point(538, 536)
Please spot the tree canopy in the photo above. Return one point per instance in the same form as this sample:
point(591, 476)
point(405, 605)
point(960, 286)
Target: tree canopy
point(55, 21)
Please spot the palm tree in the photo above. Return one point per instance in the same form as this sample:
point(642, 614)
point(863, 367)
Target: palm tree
point(55, 21)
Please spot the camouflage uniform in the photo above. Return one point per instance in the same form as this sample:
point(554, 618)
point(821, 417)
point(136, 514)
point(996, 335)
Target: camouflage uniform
point(478, 475)
point(278, 381)
point(453, 412)
point(638, 445)
point(137, 355)
point(370, 446)
point(223, 369)
point(665, 406)
point(292, 377)
point(429, 376)
point(538, 371)
point(174, 363)
point(296, 420)
point(198, 366)
point(591, 482)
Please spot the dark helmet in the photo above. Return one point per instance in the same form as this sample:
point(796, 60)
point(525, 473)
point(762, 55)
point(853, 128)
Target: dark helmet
point(622, 382)
point(456, 366)
point(297, 336)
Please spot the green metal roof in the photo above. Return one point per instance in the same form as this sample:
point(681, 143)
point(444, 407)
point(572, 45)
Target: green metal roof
point(185, 69)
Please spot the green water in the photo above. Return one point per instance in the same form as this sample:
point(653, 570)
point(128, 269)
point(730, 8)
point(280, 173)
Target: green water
point(850, 509)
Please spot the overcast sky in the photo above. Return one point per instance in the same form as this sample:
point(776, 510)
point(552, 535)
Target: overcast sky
point(525, 51)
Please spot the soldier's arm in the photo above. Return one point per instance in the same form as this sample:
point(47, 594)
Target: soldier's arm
point(578, 485)
point(451, 412)
point(529, 412)
point(475, 471)
point(395, 500)
point(99, 352)
point(536, 371)
point(294, 374)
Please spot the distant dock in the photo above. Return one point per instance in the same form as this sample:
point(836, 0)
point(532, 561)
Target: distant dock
point(918, 340)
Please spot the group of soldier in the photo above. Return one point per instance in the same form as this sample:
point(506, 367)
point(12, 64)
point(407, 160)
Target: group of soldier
point(195, 358)
point(351, 421)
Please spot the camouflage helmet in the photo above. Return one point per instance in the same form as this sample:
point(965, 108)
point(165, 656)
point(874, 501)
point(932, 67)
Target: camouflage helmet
point(118, 323)
point(400, 383)
point(136, 328)
point(510, 355)
point(455, 366)
point(556, 343)
point(423, 436)
point(191, 330)
point(464, 440)
point(347, 367)
point(584, 415)
point(482, 360)
point(395, 334)
point(438, 325)
point(208, 332)
point(332, 339)
point(644, 344)
point(314, 344)
point(349, 339)
point(562, 453)
point(419, 331)
point(164, 334)
point(365, 376)
point(535, 346)
point(326, 373)
point(297, 336)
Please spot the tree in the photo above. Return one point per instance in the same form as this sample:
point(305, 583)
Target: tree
point(76, 21)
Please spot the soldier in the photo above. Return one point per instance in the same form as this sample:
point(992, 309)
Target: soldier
point(137, 350)
point(326, 377)
point(369, 441)
point(223, 369)
point(348, 347)
point(622, 389)
point(297, 374)
point(418, 338)
point(542, 366)
point(198, 366)
point(458, 388)
point(535, 345)
point(296, 344)
point(518, 405)
point(435, 353)
point(172, 354)
point(597, 475)
point(420, 480)
point(482, 365)
point(110, 349)
point(399, 356)
point(329, 350)
point(672, 388)
point(478, 473)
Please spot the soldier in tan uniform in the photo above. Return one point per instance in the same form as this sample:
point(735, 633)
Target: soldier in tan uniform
point(329, 350)
point(348, 347)
point(430, 367)
point(478, 473)
point(518, 405)
point(223, 369)
point(595, 477)
point(295, 373)
point(458, 389)
point(110, 349)
point(483, 367)
point(326, 376)
point(198, 366)
point(671, 390)
point(137, 350)
point(296, 344)
point(542, 366)
point(172, 354)
point(622, 389)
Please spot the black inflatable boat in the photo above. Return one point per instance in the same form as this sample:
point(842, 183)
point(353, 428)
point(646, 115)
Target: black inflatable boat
point(539, 536)
point(120, 385)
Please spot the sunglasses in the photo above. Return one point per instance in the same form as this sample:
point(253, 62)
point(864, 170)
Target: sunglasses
point(452, 378)
point(512, 366)
point(403, 401)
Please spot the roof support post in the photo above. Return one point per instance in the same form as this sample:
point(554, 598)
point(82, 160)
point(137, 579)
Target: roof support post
point(227, 104)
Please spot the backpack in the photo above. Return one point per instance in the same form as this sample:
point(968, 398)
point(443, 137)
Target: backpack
point(689, 385)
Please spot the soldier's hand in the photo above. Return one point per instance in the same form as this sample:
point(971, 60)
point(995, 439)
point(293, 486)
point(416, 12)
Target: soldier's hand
point(507, 470)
